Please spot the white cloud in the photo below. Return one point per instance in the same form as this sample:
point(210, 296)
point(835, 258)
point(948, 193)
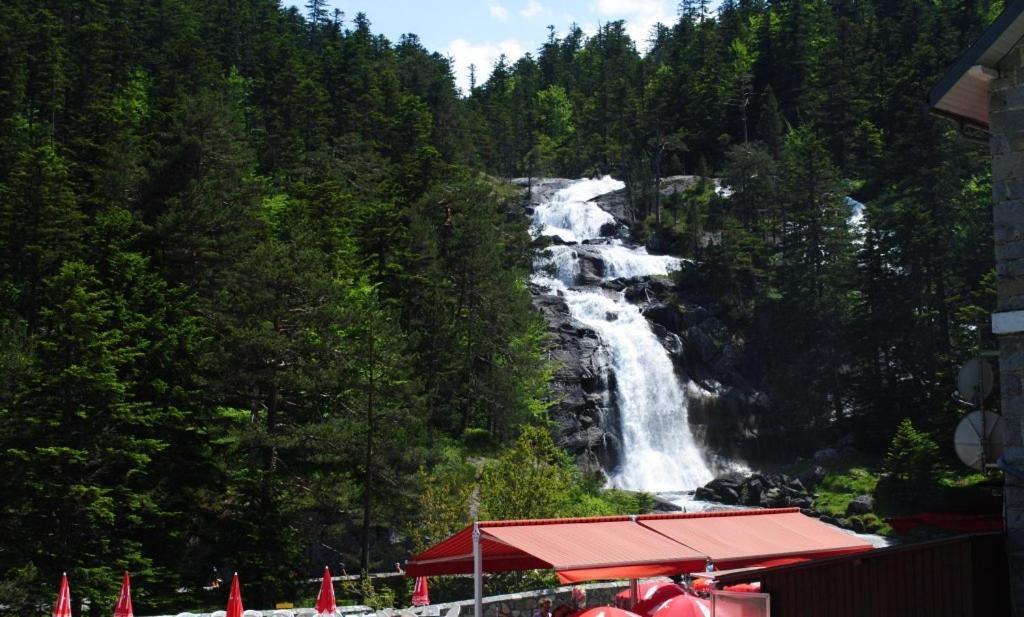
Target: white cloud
point(499, 12)
point(640, 16)
point(483, 56)
point(532, 9)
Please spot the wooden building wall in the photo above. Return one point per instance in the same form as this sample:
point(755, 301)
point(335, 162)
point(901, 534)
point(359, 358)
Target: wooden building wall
point(962, 576)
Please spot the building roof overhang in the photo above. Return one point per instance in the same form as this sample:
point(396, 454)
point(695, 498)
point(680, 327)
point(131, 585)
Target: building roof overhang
point(963, 93)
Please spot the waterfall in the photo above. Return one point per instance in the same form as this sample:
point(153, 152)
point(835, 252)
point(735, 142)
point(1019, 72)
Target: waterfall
point(659, 453)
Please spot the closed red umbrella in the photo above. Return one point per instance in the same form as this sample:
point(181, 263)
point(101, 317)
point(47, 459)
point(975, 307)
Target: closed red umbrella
point(683, 606)
point(645, 591)
point(235, 599)
point(124, 599)
point(420, 593)
point(325, 604)
point(654, 596)
point(62, 608)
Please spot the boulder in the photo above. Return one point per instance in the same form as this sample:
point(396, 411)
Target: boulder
point(861, 505)
point(705, 494)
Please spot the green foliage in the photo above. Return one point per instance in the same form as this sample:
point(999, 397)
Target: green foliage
point(912, 456)
point(253, 272)
point(841, 486)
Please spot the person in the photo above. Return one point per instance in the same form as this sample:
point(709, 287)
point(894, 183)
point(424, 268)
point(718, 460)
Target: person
point(577, 601)
point(709, 566)
point(543, 607)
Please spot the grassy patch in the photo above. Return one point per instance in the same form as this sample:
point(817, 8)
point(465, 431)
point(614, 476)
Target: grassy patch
point(840, 487)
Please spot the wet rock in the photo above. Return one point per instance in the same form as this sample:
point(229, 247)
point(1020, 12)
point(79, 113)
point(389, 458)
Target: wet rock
point(541, 189)
point(705, 494)
point(583, 415)
point(666, 315)
point(663, 505)
point(861, 505)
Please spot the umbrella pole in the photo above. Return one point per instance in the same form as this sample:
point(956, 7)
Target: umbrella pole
point(478, 573)
point(634, 591)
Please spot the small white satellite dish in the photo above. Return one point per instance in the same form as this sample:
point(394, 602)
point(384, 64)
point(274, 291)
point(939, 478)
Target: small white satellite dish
point(980, 438)
point(975, 381)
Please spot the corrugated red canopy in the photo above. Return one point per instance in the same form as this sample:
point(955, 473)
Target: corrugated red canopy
point(741, 538)
point(627, 547)
point(578, 549)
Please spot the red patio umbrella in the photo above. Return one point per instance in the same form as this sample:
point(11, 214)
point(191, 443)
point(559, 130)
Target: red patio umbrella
point(606, 611)
point(235, 599)
point(645, 591)
point(62, 608)
point(654, 596)
point(420, 594)
point(325, 600)
point(124, 599)
point(683, 606)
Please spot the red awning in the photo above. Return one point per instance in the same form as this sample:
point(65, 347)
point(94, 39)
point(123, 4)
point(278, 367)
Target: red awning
point(578, 549)
point(616, 547)
point(741, 538)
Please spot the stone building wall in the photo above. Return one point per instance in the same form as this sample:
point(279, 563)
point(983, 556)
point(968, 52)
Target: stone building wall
point(1007, 147)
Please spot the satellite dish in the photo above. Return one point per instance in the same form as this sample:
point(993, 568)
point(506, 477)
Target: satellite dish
point(975, 381)
point(979, 438)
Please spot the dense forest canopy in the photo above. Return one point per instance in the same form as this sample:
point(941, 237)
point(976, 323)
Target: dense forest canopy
point(259, 276)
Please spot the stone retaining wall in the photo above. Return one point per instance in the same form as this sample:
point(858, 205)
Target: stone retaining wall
point(509, 605)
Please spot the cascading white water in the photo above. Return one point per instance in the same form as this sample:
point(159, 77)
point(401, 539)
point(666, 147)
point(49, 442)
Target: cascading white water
point(659, 453)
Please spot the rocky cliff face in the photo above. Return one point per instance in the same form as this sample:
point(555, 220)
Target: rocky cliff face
point(584, 413)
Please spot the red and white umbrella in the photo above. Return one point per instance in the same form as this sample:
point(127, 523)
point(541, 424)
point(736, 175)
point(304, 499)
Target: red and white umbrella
point(235, 599)
point(124, 600)
point(62, 608)
point(325, 604)
point(420, 594)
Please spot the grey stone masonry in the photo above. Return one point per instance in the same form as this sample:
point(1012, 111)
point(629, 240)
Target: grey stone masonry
point(509, 605)
point(1006, 109)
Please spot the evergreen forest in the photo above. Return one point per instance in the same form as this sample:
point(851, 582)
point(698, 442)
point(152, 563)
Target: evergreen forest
point(264, 281)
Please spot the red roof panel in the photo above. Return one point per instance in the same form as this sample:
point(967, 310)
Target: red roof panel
point(740, 538)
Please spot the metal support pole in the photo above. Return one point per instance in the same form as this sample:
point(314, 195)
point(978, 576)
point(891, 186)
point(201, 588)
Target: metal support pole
point(634, 592)
point(478, 573)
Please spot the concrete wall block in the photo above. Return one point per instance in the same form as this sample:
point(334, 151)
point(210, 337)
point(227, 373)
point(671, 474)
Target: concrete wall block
point(1011, 303)
point(1009, 213)
point(1009, 250)
point(1006, 98)
point(1010, 165)
point(1010, 269)
point(1010, 289)
point(1009, 122)
point(1007, 189)
point(1015, 532)
point(1004, 232)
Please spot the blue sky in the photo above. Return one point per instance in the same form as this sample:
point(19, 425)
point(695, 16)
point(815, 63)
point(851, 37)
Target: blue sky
point(477, 31)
